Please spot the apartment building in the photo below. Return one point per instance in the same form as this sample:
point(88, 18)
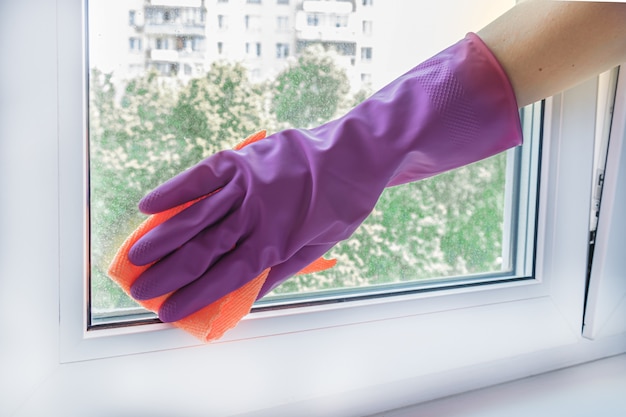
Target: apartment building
point(167, 35)
point(344, 25)
point(181, 38)
point(258, 33)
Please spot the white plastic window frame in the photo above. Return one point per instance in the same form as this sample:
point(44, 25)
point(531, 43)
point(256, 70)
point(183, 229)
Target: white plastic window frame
point(605, 312)
point(386, 352)
point(300, 313)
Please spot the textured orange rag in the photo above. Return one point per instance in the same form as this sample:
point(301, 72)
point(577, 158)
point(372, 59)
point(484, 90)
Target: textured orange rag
point(211, 322)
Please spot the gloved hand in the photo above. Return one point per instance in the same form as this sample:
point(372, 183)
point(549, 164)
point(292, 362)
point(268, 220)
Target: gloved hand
point(286, 200)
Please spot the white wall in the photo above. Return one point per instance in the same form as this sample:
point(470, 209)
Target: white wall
point(29, 250)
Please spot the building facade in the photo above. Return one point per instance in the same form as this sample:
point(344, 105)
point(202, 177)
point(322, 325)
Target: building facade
point(181, 38)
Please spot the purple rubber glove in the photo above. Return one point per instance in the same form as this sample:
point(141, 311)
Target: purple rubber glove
point(286, 200)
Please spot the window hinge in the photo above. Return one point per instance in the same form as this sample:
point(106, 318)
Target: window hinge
point(595, 203)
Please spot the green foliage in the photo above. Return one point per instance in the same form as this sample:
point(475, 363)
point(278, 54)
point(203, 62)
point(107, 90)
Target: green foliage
point(219, 109)
point(311, 91)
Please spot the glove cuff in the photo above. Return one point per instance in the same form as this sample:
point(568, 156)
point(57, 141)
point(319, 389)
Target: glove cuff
point(473, 112)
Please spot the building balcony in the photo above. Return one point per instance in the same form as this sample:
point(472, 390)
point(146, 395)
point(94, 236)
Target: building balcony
point(191, 56)
point(173, 55)
point(176, 29)
point(325, 35)
point(163, 55)
point(325, 27)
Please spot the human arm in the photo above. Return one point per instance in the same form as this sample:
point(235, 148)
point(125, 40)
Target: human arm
point(547, 46)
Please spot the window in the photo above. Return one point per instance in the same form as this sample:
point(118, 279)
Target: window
point(161, 43)
point(439, 251)
point(312, 19)
point(368, 2)
point(172, 15)
point(253, 1)
point(131, 17)
point(606, 288)
point(502, 327)
point(282, 50)
point(187, 44)
point(197, 44)
point(222, 21)
point(366, 53)
point(282, 23)
point(183, 43)
point(282, 1)
point(164, 68)
point(367, 27)
point(191, 16)
point(252, 23)
point(341, 21)
point(134, 44)
point(253, 49)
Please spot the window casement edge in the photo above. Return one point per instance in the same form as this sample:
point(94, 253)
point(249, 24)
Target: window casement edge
point(605, 312)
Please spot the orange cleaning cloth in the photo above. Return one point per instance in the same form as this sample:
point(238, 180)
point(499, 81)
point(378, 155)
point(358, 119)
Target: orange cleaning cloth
point(211, 322)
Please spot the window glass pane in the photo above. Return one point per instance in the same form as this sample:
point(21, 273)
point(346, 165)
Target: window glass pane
point(163, 76)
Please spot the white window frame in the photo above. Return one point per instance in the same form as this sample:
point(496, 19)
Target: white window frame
point(605, 311)
point(356, 358)
point(553, 294)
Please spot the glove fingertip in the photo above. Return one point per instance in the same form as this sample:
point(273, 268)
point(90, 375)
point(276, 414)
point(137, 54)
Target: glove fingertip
point(138, 291)
point(138, 253)
point(149, 204)
point(168, 312)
